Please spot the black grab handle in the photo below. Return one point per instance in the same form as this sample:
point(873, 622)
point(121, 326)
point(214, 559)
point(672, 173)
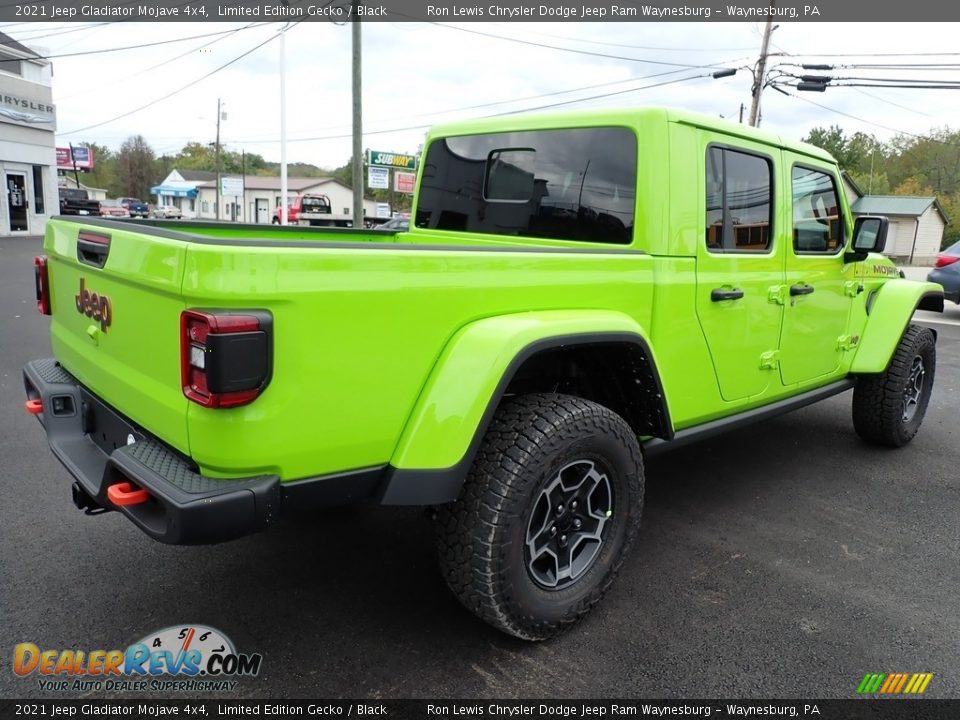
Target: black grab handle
point(718, 294)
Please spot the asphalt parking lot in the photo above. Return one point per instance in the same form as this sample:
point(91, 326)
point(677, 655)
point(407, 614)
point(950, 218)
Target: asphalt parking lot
point(783, 560)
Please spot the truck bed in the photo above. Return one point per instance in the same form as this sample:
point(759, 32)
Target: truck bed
point(359, 320)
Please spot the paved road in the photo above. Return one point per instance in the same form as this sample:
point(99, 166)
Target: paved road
point(787, 559)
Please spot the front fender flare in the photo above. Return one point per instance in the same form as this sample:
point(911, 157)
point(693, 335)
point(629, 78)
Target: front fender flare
point(889, 312)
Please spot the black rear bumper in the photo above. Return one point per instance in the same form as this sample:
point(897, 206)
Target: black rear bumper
point(100, 448)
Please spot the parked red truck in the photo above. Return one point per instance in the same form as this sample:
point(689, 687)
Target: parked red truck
point(315, 210)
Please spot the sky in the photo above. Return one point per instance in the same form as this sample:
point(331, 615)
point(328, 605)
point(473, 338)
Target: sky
point(417, 74)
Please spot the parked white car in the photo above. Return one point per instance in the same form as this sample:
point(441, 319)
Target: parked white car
point(167, 211)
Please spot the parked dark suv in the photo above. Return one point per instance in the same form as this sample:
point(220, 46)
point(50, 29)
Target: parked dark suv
point(946, 271)
point(136, 208)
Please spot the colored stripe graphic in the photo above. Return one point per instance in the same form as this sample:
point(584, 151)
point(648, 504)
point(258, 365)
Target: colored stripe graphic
point(870, 683)
point(894, 683)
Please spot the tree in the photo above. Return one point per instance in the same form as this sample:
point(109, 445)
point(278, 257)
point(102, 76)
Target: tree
point(855, 153)
point(951, 206)
point(933, 160)
point(104, 166)
point(135, 168)
point(872, 183)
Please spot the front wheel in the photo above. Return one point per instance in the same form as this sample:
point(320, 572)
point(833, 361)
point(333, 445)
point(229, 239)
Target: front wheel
point(546, 515)
point(888, 408)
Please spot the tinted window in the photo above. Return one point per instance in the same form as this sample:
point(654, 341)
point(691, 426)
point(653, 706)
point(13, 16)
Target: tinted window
point(10, 64)
point(38, 206)
point(575, 184)
point(738, 201)
point(817, 223)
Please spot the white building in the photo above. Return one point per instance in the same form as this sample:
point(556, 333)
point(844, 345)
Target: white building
point(195, 193)
point(28, 159)
point(261, 195)
point(179, 188)
point(916, 223)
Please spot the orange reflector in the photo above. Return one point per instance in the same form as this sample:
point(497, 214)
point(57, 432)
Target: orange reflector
point(125, 494)
point(34, 407)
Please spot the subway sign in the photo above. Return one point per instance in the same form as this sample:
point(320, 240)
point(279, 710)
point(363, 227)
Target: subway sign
point(393, 160)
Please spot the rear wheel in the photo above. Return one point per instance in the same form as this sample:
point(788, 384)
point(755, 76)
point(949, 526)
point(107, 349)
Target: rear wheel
point(888, 408)
point(546, 516)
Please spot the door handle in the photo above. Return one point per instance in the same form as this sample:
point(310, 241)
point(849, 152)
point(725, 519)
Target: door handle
point(801, 289)
point(719, 294)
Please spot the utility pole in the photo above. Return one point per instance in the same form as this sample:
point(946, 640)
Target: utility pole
point(216, 153)
point(283, 124)
point(742, 108)
point(759, 75)
point(359, 182)
point(76, 175)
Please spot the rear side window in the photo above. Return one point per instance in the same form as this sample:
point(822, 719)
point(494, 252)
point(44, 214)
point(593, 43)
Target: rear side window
point(577, 184)
point(739, 187)
point(817, 222)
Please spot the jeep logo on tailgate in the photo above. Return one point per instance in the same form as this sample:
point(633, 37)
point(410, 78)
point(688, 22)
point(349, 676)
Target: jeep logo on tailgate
point(94, 306)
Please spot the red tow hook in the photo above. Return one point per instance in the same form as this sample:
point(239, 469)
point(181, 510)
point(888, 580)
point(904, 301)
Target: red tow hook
point(124, 494)
point(34, 407)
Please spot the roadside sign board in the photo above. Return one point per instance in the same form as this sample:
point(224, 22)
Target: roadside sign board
point(82, 155)
point(378, 178)
point(231, 186)
point(383, 210)
point(404, 182)
point(393, 160)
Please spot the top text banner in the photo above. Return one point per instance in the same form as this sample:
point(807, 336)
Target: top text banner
point(862, 12)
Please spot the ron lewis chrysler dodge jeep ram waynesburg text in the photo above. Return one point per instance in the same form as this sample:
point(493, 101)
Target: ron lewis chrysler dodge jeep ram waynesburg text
point(576, 291)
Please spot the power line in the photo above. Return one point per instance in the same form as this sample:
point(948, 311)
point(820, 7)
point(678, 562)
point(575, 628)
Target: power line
point(503, 114)
point(178, 90)
point(60, 31)
point(868, 122)
point(603, 95)
point(638, 47)
point(883, 54)
point(433, 113)
point(164, 62)
point(572, 50)
point(891, 102)
point(138, 47)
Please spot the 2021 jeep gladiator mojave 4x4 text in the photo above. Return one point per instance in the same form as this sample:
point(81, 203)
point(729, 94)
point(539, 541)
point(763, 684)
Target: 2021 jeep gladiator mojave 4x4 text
point(575, 291)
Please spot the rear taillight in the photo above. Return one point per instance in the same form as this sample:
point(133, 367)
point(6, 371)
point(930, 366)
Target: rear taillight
point(225, 358)
point(944, 260)
point(42, 282)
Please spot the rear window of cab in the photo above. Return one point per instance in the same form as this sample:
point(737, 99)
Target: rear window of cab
point(571, 184)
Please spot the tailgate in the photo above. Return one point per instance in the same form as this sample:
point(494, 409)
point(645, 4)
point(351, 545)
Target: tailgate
point(116, 327)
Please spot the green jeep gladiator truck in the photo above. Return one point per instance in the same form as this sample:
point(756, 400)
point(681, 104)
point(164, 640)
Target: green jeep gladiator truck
point(576, 291)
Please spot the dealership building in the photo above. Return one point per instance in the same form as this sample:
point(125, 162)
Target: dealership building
point(28, 165)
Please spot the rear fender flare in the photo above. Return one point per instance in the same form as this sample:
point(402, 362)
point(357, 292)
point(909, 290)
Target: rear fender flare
point(468, 380)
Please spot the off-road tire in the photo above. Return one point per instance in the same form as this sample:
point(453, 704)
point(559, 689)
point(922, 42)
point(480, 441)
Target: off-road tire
point(879, 410)
point(482, 537)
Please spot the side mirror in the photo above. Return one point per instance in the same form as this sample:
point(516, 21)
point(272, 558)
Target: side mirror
point(869, 235)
